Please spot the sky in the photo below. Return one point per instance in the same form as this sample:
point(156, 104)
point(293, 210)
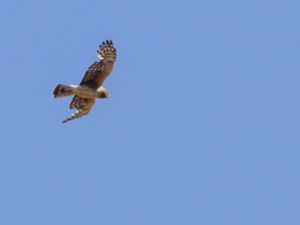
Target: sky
point(201, 127)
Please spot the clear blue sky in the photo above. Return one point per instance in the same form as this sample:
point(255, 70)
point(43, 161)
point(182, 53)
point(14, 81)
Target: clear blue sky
point(202, 126)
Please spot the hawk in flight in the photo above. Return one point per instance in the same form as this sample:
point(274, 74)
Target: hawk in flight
point(90, 86)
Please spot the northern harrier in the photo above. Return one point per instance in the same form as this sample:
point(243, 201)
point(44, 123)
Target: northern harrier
point(90, 86)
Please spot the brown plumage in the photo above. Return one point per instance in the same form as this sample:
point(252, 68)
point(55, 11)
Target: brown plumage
point(92, 82)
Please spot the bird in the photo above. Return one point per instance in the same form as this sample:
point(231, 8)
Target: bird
point(90, 88)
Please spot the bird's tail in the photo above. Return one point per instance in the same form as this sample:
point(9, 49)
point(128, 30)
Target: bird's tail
point(62, 90)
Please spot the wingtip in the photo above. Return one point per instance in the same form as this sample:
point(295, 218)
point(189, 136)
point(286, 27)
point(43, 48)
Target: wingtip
point(106, 42)
point(66, 120)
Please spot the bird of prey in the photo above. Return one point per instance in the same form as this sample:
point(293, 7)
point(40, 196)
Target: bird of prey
point(90, 86)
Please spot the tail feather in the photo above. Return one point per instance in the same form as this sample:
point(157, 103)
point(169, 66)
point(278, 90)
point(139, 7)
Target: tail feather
point(62, 90)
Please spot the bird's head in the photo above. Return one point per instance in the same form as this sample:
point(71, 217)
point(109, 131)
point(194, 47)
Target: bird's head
point(102, 93)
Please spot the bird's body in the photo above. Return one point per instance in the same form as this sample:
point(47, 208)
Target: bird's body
point(63, 90)
point(90, 86)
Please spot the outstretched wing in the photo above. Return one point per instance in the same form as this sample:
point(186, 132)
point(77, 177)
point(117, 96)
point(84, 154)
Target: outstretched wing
point(97, 72)
point(84, 109)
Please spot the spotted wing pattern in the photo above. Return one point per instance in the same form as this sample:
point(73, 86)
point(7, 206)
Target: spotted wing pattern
point(84, 109)
point(96, 73)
